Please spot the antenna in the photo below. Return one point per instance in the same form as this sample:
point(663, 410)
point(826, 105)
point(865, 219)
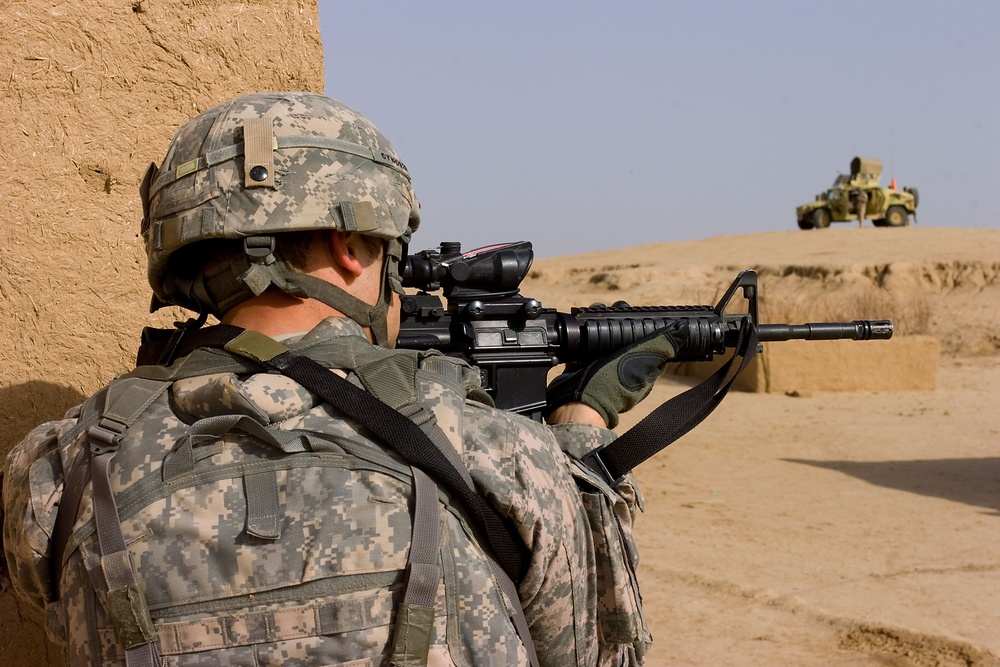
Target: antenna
point(892, 170)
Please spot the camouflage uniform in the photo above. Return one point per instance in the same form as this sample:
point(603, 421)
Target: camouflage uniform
point(322, 588)
point(860, 205)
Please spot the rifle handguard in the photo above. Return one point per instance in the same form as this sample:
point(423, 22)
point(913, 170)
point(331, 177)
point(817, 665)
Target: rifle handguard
point(618, 382)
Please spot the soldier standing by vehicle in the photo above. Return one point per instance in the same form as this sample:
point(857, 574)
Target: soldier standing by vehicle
point(861, 204)
point(220, 505)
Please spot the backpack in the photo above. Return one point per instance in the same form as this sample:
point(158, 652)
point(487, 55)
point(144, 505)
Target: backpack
point(170, 475)
point(184, 502)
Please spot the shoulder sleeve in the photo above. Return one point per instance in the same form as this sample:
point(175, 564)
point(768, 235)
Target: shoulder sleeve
point(32, 487)
point(519, 466)
point(579, 439)
point(581, 594)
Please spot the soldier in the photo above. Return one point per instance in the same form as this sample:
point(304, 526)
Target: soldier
point(210, 509)
point(860, 205)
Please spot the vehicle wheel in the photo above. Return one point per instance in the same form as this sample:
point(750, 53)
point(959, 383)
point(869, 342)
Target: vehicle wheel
point(820, 218)
point(880, 223)
point(897, 216)
point(805, 224)
point(916, 195)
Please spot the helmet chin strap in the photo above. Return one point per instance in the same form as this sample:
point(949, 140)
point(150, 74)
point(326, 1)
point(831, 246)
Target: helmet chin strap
point(373, 317)
point(231, 281)
point(265, 270)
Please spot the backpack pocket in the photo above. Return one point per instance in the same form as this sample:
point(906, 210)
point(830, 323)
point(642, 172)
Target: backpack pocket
point(624, 634)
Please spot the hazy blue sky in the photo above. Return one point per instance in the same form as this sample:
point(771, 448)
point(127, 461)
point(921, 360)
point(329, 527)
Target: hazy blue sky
point(587, 125)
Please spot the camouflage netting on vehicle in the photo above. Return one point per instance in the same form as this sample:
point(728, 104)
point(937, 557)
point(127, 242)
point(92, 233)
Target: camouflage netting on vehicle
point(866, 165)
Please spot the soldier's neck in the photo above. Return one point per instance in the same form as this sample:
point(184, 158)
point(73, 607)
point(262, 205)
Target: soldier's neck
point(274, 313)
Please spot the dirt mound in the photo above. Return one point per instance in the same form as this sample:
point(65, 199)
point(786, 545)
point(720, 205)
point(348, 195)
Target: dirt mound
point(798, 512)
point(830, 640)
point(823, 529)
point(938, 282)
point(92, 92)
point(918, 650)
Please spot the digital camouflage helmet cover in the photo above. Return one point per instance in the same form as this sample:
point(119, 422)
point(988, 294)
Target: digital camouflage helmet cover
point(242, 173)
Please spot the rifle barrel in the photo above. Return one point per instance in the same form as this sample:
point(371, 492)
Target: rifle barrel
point(856, 330)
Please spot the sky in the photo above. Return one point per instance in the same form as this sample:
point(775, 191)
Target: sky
point(585, 125)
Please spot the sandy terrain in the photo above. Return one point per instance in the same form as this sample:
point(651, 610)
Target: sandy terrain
point(847, 528)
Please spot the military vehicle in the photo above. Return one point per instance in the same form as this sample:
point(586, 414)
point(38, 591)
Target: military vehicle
point(885, 207)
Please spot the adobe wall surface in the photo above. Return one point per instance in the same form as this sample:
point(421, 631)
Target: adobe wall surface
point(90, 94)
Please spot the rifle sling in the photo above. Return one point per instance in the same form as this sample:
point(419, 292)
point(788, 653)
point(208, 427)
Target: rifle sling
point(672, 419)
point(657, 430)
point(402, 435)
point(389, 426)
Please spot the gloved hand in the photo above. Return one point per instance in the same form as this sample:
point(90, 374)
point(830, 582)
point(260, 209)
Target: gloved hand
point(616, 383)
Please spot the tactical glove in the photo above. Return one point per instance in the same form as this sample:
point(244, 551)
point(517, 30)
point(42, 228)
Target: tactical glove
point(616, 383)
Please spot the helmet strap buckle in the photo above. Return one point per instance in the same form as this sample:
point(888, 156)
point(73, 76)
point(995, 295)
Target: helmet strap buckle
point(260, 249)
point(261, 274)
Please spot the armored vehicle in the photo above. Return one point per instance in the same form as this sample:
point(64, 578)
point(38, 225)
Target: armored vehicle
point(885, 207)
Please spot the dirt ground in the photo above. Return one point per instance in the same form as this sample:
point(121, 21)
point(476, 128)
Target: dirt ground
point(827, 528)
point(837, 529)
point(847, 528)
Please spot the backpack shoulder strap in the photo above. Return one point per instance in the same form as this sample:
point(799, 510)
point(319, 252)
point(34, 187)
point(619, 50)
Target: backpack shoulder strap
point(107, 414)
point(417, 620)
point(106, 419)
point(392, 428)
point(74, 481)
point(415, 612)
point(672, 419)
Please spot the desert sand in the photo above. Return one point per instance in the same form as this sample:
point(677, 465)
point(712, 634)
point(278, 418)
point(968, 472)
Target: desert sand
point(823, 528)
point(819, 528)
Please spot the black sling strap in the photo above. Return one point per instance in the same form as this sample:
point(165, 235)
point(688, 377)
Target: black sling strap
point(653, 433)
point(160, 347)
point(657, 430)
point(76, 479)
point(674, 418)
point(389, 426)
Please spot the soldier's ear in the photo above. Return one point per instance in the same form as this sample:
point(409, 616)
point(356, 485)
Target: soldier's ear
point(344, 247)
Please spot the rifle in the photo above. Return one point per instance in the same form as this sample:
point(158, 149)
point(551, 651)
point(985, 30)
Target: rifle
point(514, 341)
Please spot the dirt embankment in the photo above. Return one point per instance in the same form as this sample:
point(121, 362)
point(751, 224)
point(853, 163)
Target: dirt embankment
point(848, 528)
point(823, 528)
point(931, 281)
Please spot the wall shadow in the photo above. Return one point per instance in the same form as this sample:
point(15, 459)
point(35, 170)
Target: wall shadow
point(26, 405)
point(971, 481)
point(22, 407)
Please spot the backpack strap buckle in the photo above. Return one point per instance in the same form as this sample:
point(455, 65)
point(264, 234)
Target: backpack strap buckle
point(106, 435)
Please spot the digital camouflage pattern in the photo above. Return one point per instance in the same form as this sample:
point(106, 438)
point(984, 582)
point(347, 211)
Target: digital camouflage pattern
point(324, 166)
point(323, 586)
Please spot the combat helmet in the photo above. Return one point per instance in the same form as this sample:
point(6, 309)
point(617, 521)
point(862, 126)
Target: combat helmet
point(242, 173)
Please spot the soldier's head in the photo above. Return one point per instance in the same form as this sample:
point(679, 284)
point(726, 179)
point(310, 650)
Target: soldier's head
point(249, 188)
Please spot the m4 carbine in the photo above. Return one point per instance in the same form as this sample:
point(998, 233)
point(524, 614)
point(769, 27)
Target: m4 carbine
point(514, 341)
